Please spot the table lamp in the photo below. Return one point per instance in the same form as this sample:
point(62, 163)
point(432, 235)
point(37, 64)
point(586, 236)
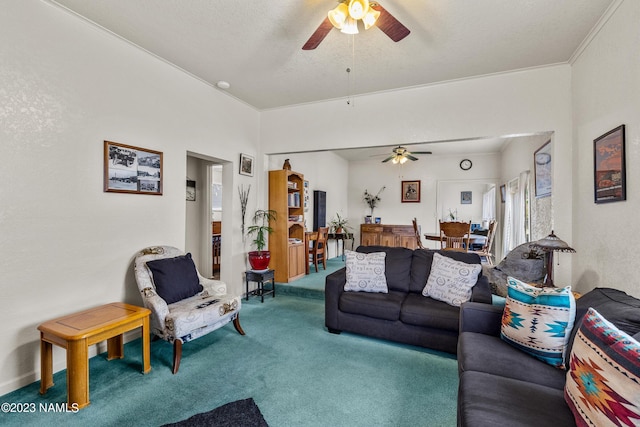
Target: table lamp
point(549, 245)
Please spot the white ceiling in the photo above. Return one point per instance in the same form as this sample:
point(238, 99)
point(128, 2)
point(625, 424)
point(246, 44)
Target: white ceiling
point(256, 45)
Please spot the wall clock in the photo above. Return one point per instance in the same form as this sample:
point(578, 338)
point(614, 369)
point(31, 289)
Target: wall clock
point(465, 164)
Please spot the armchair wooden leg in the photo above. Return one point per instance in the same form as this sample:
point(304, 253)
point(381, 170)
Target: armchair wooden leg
point(177, 355)
point(236, 324)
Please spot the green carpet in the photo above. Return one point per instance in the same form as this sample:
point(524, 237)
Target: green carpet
point(312, 284)
point(297, 373)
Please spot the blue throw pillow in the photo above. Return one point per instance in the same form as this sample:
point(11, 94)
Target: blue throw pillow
point(175, 278)
point(538, 321)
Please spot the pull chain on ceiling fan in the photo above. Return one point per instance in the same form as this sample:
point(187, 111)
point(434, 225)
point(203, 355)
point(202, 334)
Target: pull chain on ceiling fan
point(346, 15)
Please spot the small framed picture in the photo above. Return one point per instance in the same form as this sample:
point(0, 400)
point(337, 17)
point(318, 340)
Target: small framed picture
point(378, 220)
point(246, 165)
point(466, 197)
point(410, 191)
point(191, 191)
point(129, 169)
point(503, 193)
point(609, 180)
point(542, 165)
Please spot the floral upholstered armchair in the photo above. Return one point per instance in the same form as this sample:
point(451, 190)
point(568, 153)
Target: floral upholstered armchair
point(184, 305)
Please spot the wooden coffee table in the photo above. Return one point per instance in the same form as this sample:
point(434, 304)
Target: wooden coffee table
point(76, 332)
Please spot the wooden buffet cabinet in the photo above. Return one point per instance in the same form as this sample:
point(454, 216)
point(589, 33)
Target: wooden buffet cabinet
point(388, 235)
point(286, 243)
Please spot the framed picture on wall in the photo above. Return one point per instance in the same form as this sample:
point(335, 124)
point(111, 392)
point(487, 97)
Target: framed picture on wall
point(466, 197)
point(410, 191)
point(609, 180)
point(542, 166)
point(246, 165)
point(503, 193)
point(191, 190)
point(129, 169)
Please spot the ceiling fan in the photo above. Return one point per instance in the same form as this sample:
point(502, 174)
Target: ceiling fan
point(401, 155)
point(346, 15)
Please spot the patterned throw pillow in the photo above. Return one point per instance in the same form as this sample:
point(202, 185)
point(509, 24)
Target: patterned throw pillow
point(451, 281)
point(603, 384)
point(538, 321)
point(365, 272)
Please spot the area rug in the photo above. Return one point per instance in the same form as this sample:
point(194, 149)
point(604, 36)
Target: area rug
point(241, 413)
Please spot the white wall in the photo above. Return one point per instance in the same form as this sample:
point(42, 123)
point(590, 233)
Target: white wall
point(606, 94)
point(371, 175)
point(65, 87)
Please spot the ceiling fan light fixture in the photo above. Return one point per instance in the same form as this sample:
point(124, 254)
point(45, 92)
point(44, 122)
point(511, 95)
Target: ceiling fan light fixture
point(403, 160)
point(358, 8)
point(338, 16)
point(350, 27)
point(370, 18)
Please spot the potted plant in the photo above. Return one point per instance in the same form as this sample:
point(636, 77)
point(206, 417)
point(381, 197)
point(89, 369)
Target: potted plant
point(259, 259)
point(339, 224)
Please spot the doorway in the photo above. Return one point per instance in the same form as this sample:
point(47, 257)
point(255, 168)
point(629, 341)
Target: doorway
point(203, 228)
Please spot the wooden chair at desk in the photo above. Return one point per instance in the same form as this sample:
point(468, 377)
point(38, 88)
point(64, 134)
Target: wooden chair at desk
point(318, 249)
point(416, 229)
point(485, 252)
point(455, 236)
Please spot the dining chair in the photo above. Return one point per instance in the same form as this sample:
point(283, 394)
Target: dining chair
point(455, 236)
point(485, 252)
point(318, 248)
point(416, 230)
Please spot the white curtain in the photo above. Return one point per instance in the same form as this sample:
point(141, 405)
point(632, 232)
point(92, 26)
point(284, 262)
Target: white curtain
point(489, 205)
point(515, 213)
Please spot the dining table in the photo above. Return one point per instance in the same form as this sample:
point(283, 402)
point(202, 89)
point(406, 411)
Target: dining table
point(474, 239)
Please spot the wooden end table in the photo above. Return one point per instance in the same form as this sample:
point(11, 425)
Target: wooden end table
point(76, 332)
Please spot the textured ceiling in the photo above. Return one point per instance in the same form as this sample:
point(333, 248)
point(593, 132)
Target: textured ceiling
point(256, 45)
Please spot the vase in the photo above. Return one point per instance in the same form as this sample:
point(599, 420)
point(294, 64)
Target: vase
point(259, 260)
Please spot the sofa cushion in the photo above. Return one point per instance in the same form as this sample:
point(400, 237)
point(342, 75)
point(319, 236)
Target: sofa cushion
point(421, 265)
point(488, 353)
point(397, 265)
point(614, 305)
point(379, 306)
point(538, 320)
point(175, 278)
point(486, 400)
point(451, 281)
point(365, 272)
point(604, 372)
point(424, 311)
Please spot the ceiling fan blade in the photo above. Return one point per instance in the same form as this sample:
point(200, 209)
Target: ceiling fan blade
point(319, 35)
point(389, 25)
point(410, 157)
point(389, 158)
point(421, 152)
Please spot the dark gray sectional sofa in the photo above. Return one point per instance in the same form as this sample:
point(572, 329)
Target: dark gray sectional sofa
point(402, 315)
point(502, 386)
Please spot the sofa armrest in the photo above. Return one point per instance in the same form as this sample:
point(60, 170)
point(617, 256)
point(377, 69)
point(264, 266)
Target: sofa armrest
point(333, 288)
point(481, 291)
point(480, 318)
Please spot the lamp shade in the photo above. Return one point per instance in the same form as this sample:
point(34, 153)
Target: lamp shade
point(552, 243)
point(338, 16)
point(370, 18)
point(358, 8)
point(350, 27)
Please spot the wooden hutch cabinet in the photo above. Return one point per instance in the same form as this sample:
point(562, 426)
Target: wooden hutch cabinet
point(286, 243)
point(388, 235)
